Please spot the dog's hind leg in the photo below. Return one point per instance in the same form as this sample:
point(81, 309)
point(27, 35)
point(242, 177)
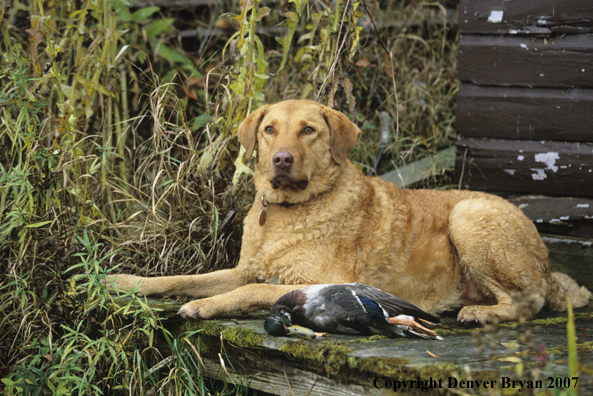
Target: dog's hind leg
point(501, 257)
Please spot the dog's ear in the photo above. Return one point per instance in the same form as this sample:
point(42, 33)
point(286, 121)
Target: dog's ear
point(248, 130)
point(343, 134)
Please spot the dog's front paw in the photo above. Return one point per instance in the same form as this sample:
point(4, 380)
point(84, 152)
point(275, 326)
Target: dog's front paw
point(198, 309)
point(122, 282)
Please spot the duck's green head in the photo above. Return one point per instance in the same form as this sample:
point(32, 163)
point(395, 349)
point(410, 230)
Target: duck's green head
point(279, 325)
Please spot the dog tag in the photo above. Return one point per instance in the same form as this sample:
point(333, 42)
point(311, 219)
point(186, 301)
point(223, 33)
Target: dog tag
point(262, 218)
point(264, 210)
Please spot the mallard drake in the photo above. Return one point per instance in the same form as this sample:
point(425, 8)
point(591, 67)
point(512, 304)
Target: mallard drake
point(352, 308)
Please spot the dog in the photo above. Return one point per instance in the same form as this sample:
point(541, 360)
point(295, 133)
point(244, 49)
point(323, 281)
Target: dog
point(317, 219)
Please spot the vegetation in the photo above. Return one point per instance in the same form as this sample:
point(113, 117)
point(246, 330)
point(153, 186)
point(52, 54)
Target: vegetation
point(118, 152)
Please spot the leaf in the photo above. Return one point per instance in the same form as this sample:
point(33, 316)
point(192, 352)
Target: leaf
point(573, 361)
point(237, 87)
point(355, 41)
point(143, 14)
point(201, 121)
point(306, 90)
point(347, 84)
point(299, 5)
point(95, 166)
point(291, 23)
point(261, 59)
point(174, 56)
point(160, 26)
point(240, 166)
point(261, 13)
point(37, 225)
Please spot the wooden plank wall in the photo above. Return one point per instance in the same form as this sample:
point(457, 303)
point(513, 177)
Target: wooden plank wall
point(525, 101)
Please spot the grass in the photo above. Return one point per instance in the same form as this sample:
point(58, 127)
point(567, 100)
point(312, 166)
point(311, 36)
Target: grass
point(118, 152)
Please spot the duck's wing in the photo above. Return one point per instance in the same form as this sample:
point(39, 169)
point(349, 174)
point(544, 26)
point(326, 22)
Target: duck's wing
point(394, 306)
point(336, 309)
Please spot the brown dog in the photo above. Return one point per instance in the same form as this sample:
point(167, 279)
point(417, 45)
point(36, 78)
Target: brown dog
point(326, 222)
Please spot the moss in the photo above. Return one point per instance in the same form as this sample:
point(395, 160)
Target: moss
point(549, 321)
point(237, 335)
point(387, 367)
point(377, 337)
point(207, 335)
point(458, 330)
point(329, 356)
point(513, 325)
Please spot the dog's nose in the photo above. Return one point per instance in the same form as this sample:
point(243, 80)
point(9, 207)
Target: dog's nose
point(283, 159)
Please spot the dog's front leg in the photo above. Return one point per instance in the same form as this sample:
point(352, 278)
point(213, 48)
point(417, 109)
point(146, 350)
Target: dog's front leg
point(195, 286)
point(247, 298)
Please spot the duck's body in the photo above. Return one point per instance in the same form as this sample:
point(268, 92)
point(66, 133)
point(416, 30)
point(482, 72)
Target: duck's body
point(352, 308)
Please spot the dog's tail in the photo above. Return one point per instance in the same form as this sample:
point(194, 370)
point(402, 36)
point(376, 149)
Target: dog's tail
point(562, 286)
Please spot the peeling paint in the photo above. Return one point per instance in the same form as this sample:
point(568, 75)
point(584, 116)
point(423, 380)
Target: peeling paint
point(495, 16)
point(539, 221)
point(549, 159)
point(539, 175)
point(523, 205)
point(582, 205)
point(564, 217)
point(524, 46)
point(510, 171)
point(566, 240)
point(521, 158)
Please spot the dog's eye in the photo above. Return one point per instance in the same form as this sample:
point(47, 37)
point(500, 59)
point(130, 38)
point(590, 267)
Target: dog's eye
point(308, 130)
point(269, 130)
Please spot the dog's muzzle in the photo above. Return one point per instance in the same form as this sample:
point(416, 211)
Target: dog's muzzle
point(283, 162)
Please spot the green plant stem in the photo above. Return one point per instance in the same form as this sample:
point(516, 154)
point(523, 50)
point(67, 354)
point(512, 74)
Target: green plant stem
point(122, 127)
point(52, 53)
point(252, 24)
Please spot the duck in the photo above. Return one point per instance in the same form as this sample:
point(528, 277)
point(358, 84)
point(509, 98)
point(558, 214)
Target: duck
point(352, 308)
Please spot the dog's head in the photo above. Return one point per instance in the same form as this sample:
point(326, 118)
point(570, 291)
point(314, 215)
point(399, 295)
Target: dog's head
point(300, 146)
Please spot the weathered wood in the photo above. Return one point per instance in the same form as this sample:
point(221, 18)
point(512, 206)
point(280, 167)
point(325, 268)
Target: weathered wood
point(278, 377)
point(420, 170)
point(542, 209)
point(571, 256)
point(527, 167)
point(525, 17)
point(348, 365)
point(525, 113)
point(565, 216)
point(521, 61)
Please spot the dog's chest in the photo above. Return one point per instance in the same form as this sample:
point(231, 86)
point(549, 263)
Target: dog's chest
point(289, 247)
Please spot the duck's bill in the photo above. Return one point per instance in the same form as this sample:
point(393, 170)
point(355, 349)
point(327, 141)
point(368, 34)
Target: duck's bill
point(301, 332)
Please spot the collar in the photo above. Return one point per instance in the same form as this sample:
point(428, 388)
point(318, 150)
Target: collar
point(264, 208)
